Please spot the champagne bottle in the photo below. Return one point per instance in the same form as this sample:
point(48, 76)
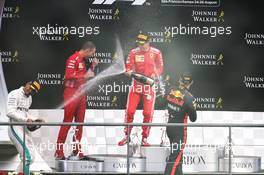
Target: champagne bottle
point(142, 79)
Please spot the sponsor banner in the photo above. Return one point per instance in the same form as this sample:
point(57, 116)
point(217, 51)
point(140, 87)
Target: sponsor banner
point(8, 56)
point(254, 39)
point(208, 16)
point(105, 57)
point(50, 79)
point(209, 103)
point(11, 12)
point(102, 102)
point(160, 37)
point(253, 82)
point(207, 59)
point(106, 14)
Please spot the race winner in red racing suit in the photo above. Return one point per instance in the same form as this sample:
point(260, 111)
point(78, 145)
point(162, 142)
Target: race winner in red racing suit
point(147, 61)
point(180, 105)
point(76, 75)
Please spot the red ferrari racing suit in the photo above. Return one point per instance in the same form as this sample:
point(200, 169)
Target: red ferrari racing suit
point(74, 107)
point(150, 64)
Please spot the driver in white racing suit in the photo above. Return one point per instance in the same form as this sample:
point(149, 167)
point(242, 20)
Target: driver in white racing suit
point(18, 104)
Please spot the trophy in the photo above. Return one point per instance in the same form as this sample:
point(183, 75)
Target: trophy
point(163, 139)
point(135, 144)
point(74, 143)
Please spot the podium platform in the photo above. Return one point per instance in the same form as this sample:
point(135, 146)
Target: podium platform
point(103, 163)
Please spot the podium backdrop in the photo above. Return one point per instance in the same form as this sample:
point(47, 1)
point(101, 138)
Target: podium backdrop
point(219, 42)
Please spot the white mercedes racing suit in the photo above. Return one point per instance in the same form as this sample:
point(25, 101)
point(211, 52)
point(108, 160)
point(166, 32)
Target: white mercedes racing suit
point(17, 110)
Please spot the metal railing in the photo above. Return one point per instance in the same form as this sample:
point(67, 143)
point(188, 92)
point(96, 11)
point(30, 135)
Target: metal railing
point(212, 125)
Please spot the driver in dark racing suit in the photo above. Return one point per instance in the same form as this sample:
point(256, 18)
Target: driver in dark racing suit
point(180, 105)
